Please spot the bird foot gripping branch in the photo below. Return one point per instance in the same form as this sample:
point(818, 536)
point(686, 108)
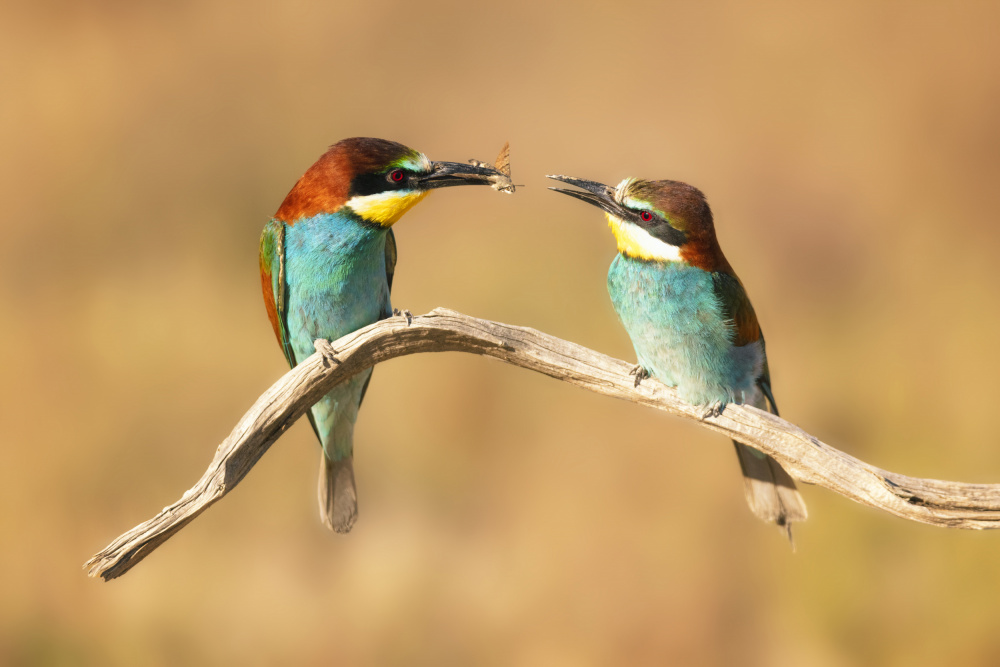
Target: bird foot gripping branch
point(712, 410)
point(640, 374)
point(329, 354)
point(396, 312)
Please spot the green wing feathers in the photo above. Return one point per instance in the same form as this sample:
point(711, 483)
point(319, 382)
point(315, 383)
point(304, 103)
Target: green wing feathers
point(390, 257)
point(274, 284)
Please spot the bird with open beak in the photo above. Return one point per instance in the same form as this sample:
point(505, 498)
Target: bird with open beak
point(689, 317)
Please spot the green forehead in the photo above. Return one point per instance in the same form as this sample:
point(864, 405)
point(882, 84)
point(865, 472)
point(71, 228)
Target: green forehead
point(412, 161)
point(636, 194)
point(640, 190)
point(638, 203)
point(666, 197)
point(640, 195)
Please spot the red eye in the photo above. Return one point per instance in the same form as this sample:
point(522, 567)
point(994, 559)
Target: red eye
point(646, 216)
point(396, 175)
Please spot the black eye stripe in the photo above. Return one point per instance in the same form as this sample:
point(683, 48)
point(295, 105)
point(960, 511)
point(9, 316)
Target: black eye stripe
point(658, 227)
point(370, 184)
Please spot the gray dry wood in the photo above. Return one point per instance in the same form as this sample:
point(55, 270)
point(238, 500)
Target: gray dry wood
point(949, 504)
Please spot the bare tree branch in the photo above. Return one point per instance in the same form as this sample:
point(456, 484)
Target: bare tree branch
point(949, 504)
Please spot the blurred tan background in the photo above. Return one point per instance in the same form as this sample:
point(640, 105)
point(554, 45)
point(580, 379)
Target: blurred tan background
point(851, 153)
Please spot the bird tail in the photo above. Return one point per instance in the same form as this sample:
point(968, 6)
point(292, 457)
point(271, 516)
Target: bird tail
point(770, 491)
point(338, 498)
point(332, 419)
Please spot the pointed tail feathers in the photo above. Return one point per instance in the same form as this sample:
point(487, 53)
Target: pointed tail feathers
point(338, 498)
point(770, 491)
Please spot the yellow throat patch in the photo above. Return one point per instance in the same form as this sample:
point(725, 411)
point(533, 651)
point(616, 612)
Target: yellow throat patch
point(385, 208)
point(634, 241)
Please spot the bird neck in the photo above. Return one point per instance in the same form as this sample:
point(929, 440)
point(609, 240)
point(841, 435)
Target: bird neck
point(700, 251)
point(703, 251)
point(342, 234)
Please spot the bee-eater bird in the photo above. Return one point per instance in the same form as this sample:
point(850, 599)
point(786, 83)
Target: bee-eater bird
point(689, 318)
point(327, 259)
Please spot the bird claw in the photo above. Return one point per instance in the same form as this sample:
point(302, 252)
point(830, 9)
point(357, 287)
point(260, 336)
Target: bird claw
point(396, 312)
point(640, 373)
point(712, 409)
point(329, 354)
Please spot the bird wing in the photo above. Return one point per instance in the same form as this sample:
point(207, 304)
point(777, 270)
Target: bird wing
point(770, 490)
point(274, 283)
point(390, 257)
point(764, 382)
point(275, 287)
point(736, 308)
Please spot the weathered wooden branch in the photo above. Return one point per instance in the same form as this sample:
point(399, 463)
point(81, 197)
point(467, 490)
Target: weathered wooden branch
point(949, 504)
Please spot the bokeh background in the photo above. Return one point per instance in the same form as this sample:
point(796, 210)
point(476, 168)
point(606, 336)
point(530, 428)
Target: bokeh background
point(851, 153)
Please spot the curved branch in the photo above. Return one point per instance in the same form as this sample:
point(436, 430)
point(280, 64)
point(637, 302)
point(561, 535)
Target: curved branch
point(949, 504)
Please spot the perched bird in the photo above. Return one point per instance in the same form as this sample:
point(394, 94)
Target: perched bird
point(326, 264)
point(689, 318)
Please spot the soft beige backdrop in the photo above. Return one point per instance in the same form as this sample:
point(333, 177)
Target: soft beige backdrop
point(851, 152)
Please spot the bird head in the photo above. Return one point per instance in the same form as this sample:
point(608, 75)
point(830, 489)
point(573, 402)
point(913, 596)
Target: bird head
point(375, 179)
point(662, 221)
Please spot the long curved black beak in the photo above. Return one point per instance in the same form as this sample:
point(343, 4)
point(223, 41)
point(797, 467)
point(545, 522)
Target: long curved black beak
point(594, 193)
point(447, 174)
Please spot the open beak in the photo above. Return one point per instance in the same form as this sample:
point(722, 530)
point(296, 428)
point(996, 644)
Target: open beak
point(598, 194)
point(447, 174)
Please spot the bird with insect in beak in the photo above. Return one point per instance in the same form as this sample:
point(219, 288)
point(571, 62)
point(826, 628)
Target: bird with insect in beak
point(327, 259)
point(689, 318)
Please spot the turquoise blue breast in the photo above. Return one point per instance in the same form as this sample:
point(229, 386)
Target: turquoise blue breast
point(336, 276)
point(335, 270)
point(676, 324)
